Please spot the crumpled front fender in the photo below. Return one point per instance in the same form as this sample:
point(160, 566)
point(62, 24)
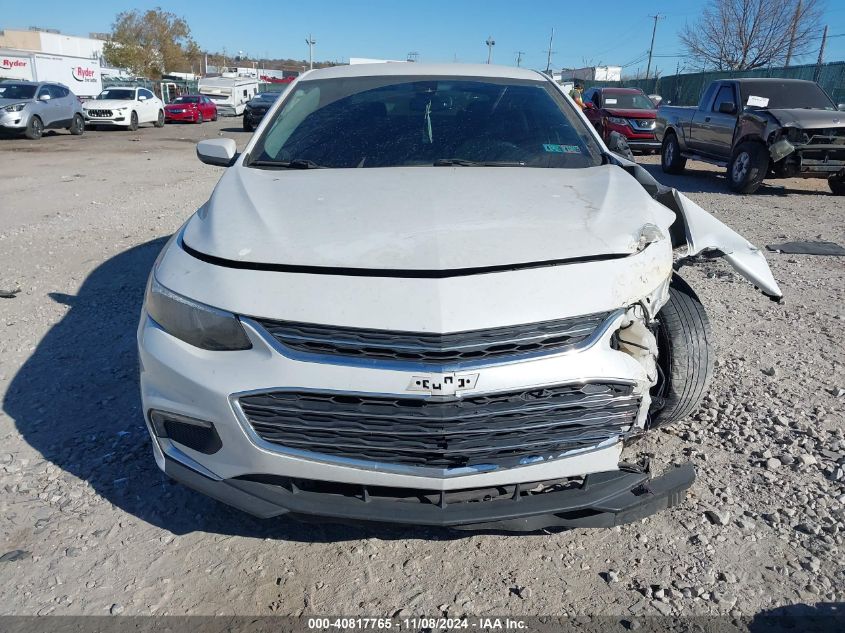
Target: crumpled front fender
point(701, 232)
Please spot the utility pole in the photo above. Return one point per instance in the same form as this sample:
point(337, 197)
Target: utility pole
point(651, 48)
point(792, 30)
point(549, 53)
point(310, 41)
point(519, 55)
point(490, 44)
point(820, 61)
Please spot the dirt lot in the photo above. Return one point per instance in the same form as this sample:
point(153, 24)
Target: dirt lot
point(100, 530)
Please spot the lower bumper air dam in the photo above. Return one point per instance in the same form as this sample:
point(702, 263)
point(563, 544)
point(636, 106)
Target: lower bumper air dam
point(603, 500)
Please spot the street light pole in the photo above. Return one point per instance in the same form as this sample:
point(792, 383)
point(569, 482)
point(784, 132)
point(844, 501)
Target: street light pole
point(490, 44)
point(310, 41)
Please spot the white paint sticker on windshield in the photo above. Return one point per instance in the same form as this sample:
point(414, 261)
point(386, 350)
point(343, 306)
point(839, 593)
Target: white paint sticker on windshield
point(609, 101)
point(759, 102)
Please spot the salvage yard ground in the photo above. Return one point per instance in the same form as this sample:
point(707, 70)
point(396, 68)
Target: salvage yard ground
point(91, 526)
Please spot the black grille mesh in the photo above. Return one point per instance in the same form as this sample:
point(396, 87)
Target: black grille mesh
point(501, 429)
point(472, 345)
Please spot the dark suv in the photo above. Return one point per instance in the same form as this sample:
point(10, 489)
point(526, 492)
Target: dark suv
point(625, 110)
point(31, 107)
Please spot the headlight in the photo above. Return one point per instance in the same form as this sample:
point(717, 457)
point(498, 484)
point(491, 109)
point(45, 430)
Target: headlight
point(617, 120)
point(122, 109)
point(195, 323)
point(15, 107)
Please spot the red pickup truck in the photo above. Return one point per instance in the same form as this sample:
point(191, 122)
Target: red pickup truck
point(625, 110)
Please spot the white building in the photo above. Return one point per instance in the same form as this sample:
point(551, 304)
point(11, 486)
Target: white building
point(52, 43)
point(594, 73)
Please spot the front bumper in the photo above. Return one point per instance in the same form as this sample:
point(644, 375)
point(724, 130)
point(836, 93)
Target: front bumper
point(205, 385)
point(116, 119)
point(14, 121)
point(254, 118)
point(604, 500)
point(643, 145)
point(189, 116)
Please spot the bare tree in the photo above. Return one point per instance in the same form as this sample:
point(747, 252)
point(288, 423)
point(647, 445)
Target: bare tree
point(746, 34)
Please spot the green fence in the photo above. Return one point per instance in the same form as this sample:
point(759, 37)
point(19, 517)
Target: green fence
point(687, 89)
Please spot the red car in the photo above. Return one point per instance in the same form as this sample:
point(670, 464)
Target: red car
point(191, 108)
point(625, 110)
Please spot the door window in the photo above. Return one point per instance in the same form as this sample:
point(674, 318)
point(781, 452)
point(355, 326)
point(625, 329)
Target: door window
point(725, 95)
point(146, 93)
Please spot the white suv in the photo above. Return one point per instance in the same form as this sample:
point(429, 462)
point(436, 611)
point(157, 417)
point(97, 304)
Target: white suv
point(124, 107)
point(429, 295)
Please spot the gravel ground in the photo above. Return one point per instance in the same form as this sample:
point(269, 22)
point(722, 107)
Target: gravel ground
point(88, 525)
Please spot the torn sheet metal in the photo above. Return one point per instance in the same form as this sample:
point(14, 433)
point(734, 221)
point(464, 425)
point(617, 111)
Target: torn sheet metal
point(704, 233)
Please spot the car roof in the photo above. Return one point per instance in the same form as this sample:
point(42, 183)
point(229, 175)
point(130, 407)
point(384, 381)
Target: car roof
point(414, 69)
point(766, 80)
point(33, 83)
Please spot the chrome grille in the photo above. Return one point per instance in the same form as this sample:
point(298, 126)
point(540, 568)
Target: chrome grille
point(503, 429)
point(425, 347)
point(100, 113)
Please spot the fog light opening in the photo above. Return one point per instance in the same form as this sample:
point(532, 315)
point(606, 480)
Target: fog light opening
point(198, 435)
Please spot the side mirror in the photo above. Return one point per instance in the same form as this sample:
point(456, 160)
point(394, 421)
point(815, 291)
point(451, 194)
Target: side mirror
point(841, 107)
point(44, 97)
point(220, 152)
point(617, 144)
point(727, 107)
point(589, 105)
point(142, 98)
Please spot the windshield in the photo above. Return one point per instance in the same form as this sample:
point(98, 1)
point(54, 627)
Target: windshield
point(627, 101)
point(186, 100)
point(410, 121)
point(122, 94)
point(785, 94)
point(17, 91)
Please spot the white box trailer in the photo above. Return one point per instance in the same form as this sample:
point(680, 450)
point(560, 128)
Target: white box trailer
point(229, 93)
point(80, 74)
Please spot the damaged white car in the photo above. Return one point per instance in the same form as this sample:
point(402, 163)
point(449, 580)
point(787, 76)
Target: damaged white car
point(429, 295)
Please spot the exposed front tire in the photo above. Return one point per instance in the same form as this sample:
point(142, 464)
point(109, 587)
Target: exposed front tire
point(77, 126)
point(34, 129)
point(671, 160)
point(747, 168)
point(159, 122)
point(247, 126)
point(199, 117)
point(133, 121)
point(837, 185)
point(685, 356)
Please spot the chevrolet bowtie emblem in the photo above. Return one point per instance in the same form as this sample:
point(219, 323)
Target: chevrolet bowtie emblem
point(443, 384)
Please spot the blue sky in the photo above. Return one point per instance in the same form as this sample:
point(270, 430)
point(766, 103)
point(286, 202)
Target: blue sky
point(586, 33)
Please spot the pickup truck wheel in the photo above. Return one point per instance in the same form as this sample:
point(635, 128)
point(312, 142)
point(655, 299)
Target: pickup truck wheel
point(748, 167)
point(670, 155)
point(685, 356)
point(837, 185)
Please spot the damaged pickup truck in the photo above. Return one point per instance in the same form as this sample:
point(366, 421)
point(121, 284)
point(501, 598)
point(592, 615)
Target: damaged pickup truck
point(758, 128)
point(429, 295)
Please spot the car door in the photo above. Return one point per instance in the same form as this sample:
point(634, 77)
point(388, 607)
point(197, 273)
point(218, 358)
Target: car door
point(44, 107)
point(64, 104)
point(149, 105)
point(717, 139)
point(700, 120)
point(592, 111)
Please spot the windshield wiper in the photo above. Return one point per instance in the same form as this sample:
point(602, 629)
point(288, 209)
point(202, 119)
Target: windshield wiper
point(463, 162)
point(296, 163)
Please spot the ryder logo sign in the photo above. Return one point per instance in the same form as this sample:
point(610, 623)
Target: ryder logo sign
point(9, 64)
point(83, 74)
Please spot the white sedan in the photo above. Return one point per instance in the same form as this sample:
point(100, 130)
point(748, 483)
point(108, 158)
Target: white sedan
point(125, 107)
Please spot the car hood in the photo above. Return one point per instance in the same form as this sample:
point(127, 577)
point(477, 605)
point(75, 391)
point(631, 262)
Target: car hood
point(108, 104)
point(632, 114)
point(171, 106)
point(804, 118)
point(5, 102)
point(422, 218)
